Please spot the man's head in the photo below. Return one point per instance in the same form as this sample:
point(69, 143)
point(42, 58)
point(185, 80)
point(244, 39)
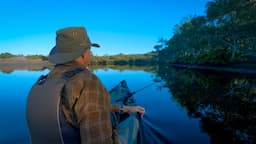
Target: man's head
point(71, 42)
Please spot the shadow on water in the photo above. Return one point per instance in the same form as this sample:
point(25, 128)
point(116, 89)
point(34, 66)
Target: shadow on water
point(225, 104)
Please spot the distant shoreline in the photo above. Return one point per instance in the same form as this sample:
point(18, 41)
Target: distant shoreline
point(22, 63)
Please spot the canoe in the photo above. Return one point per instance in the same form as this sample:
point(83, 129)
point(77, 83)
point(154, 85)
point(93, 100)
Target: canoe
point(127, 124)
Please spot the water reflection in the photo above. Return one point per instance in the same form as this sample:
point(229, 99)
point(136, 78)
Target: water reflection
point(225, 104)
point(8, 69)
point(222, 105)
point(163, 119)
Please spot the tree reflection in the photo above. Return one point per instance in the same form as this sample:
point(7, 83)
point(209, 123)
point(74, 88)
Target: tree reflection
point(224, 103)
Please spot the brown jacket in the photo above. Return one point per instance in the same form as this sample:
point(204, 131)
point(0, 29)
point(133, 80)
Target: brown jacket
point(86, 104)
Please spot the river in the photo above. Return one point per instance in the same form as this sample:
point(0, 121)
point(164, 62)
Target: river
point(181, 106)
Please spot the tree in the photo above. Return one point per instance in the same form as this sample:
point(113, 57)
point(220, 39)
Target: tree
point(232, 18)
point(227, 34)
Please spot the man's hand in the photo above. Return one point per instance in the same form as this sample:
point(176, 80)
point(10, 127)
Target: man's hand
point(133, 109)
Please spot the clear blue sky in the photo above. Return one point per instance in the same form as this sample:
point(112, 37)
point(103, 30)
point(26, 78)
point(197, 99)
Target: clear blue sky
point(119, 26)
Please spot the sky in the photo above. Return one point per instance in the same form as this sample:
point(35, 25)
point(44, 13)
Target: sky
point(119, 26)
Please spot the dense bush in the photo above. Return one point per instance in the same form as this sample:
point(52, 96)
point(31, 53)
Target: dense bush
point(226, 34)
point(6, 55)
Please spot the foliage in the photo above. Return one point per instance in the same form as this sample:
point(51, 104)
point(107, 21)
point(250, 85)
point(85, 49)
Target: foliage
point(36, 57)
point(30, 57)
point(121, 59)
point(227, 34)
point(6, 55)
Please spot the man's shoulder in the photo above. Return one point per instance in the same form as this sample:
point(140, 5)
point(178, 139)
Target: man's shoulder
point(85, 75)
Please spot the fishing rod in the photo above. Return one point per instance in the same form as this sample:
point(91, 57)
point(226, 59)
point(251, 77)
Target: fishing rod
point(125, 98)
point(141, 89)
point(146, 86)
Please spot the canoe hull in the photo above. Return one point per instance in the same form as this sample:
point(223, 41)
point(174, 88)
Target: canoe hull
point(127, 124)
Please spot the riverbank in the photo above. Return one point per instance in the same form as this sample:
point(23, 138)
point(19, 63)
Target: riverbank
point(230, 68)
point(22, 63)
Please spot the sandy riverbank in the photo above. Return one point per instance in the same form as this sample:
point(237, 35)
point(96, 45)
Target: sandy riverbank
point(21, 63)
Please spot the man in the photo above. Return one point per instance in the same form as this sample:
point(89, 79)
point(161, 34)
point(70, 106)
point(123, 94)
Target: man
point(85, 101)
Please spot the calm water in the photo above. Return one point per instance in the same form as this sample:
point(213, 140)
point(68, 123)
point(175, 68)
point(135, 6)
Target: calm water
point(169, 117)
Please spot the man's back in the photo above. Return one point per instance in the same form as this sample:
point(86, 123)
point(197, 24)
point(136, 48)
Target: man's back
point(86, 104)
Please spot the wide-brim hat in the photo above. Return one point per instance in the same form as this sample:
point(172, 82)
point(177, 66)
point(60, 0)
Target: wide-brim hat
point(71, 42)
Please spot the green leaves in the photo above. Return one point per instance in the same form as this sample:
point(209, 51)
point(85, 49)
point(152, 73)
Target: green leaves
point(227, 34)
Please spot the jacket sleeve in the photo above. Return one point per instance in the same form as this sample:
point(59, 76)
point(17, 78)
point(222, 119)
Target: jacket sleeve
point(114, 108)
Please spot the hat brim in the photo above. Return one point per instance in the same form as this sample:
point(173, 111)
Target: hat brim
point(60, 58)
point(95, 45)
